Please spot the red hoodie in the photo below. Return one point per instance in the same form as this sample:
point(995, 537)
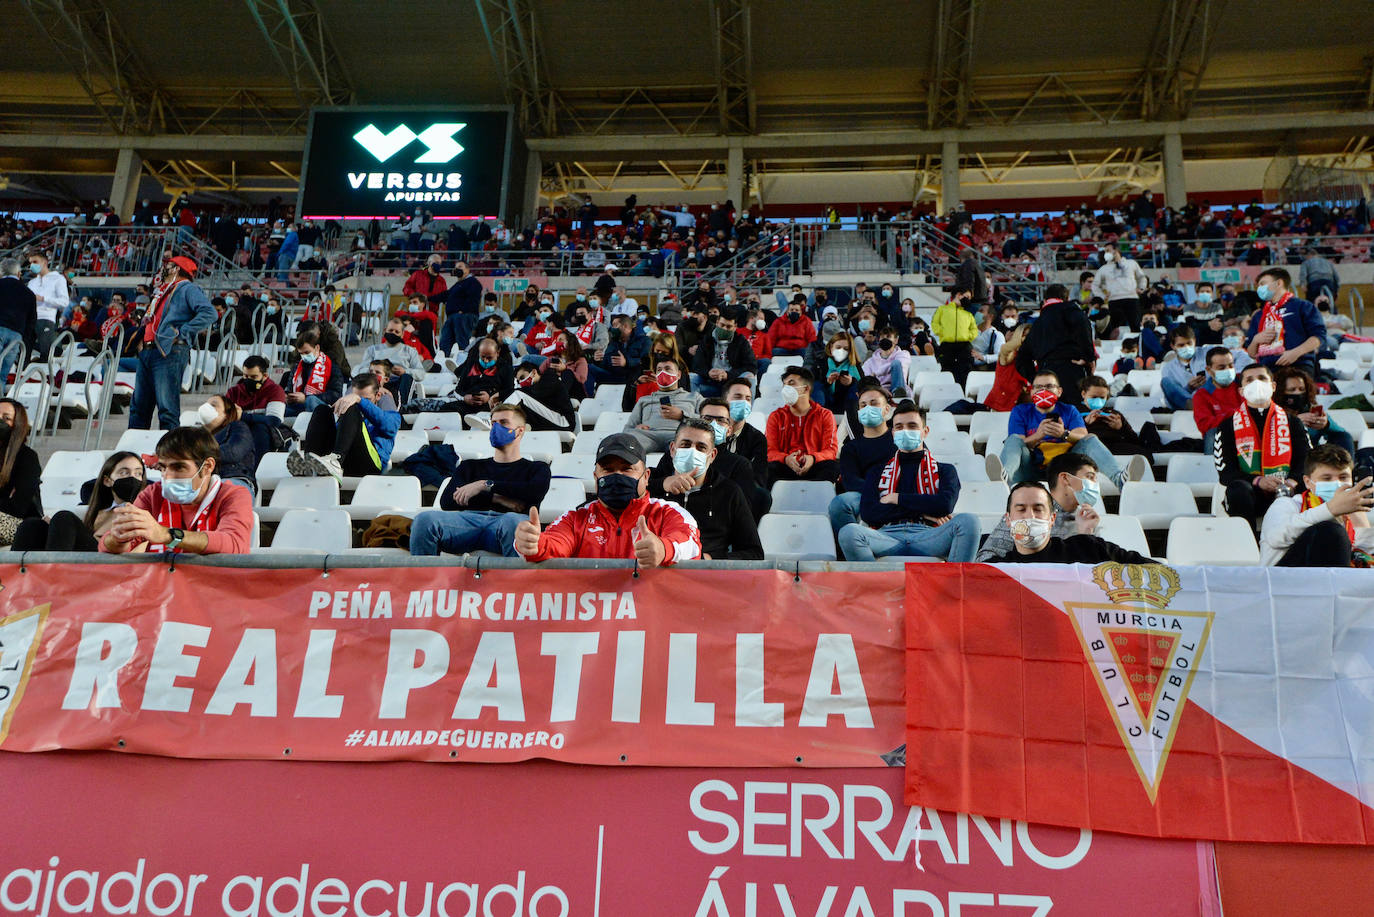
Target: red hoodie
point(592, 530)
point(1213, 404)
point(787, 335)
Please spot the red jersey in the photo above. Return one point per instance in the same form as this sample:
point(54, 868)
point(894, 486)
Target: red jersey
point(592, 530)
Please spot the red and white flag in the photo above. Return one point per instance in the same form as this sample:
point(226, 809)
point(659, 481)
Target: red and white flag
point(1207, 702)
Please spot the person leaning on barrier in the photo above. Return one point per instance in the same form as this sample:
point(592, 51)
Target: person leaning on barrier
point(1030, 514)
point(120, 481)
point(486, 498)
point(1327, 525)
point(622, 522)
point(192, 511)
point(710, 483)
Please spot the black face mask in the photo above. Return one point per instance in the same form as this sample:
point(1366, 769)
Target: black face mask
point(617, 491)
point(252, 385)
point(392, 339)
point(1297, 403)
point(4, 431)
point(794, 317)
point(126, 490)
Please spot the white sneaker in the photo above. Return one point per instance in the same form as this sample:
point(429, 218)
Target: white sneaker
point(1136, 468)
point(299, 464)
point(993, 462)
point(331, 465)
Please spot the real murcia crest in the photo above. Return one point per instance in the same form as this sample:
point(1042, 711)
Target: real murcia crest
point(19, 637)
point(1144, 655)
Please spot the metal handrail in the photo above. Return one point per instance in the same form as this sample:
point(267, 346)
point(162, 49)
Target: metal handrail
point(107, 359)
point(1357, 307)
point(68, 352)
point(145, 248)
point(36, 372)
point(494, 262)
point(18, 362)
point(1224, 251)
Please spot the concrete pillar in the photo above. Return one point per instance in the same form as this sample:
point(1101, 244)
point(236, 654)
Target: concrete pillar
point(124, 189)
point(1175, 185)
point(949, 175)
point(734, 176)
point(534, 171)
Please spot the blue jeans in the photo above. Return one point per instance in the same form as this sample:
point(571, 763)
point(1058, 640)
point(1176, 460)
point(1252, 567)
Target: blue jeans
point(1018, 465)
point(7, 337)
point(1177, 395)
point(457, 330)
point(306, 407)
point(707, 388)
point(844, 510)
point(956, 540)
point(158, 383)
point(463, 531)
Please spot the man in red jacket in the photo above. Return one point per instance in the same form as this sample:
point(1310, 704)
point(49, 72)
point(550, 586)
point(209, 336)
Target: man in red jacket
point(802, 443)
point(1218, 398)
point(793, 332)
point(622, 522)
point(428, 282)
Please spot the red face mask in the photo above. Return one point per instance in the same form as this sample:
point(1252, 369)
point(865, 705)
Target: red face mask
point(665, 379)
point(1045, 401)
point(525, 382)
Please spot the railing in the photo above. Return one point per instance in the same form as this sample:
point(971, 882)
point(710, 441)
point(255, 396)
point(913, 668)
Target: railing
point(1187, 253)
point(511, 262)
point(99, 404)
point(98, 251)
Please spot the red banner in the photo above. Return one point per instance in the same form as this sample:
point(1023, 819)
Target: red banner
point(103, 834)
point(700, 668)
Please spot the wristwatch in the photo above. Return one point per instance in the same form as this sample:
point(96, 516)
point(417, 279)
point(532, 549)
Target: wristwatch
point(177, 535)
point(491, 485)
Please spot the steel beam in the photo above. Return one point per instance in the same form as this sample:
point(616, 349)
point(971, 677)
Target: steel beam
point(734, 66)
point(90, 39)
point(513, 40)
point(1178, 57)
point(949, 93)
point(245, 146)
point(296, 35)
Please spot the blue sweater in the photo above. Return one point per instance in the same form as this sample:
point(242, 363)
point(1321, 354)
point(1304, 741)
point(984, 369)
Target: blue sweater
point(911, 506)
point(860, 454)
point(381, 429)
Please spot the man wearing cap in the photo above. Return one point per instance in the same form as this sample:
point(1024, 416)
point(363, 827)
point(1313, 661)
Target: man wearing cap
point(622, 522)
point(178, 312)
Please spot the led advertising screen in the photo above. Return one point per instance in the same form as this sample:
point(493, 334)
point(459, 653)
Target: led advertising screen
point(381, 162)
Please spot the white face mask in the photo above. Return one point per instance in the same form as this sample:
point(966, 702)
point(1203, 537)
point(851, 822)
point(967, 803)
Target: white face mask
point(790, 394)
point(208, 414)
point(760, 324)
point(839, 355)
point(1108, 256)
point(1258, 393)
point(1030, 533)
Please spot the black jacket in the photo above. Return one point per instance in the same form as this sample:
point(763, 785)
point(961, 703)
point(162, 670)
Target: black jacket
point(464, 297)
point(473, 379)
point(1224, 447)
point(1076, 549)
point(970, 274)
point(723, 516)
point(751, 445)
point(738, 353)
point(727, 465)
point(1060, 333)
point(18, 308)
point(548, 389)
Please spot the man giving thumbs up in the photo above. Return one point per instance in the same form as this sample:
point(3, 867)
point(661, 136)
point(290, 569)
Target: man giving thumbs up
point(622, 522)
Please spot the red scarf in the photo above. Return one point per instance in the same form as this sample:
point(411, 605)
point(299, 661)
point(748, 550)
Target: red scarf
point(1270, 318)
point(927, 475)
point(319, 376)
point(153, 317)
point(586, 332)
point(173, 516)
point(107, 327)
point(1271, 453)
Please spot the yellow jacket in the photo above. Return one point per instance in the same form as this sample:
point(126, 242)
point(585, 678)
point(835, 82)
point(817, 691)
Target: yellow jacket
point(953, 324)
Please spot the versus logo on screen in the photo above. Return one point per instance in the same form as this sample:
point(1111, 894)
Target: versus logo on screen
point(378, 163)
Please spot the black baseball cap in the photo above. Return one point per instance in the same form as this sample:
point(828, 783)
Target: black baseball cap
point(621, 446)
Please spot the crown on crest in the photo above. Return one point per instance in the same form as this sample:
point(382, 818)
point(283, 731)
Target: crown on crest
point(1148, 584)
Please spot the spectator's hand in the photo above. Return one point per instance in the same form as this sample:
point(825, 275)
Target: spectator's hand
point(642, 426)
point(692, 351)
point(294, 398)
point(1268, 336)
point(845, 379)
point(1313, 420)
point(669, 412)
point(527, 534)
point(344, 403)
point(1215, 324)
point(937, 521)
point(469, 399)
point(830, 379)
point(1288, 357)
point(1050, 427)
point(806, 462)
point(678, 483)
point(1267, 484)
point(463, 495)
point(134, 524)
point(482, 397)
point(649, 549)
point(643, 380)
point(1113, 419)
point(1086, 519)
point(1196, 381)
point(617, 359)
point(718, 375)
point(598, 355)
point(791, 462)
point(890, 499)
point(1355, 498)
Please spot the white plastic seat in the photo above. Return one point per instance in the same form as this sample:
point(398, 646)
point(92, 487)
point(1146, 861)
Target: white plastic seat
point(1341, 369)
point(1216, 540)
point(1196, 470)
point(609, 394)
point(408, 442)
point(1124, 531)
point(971, 468)
point(1145, 381)
point(301, 493)
point(940, 396)
point(985, 499)
point(977, 386)
point(588, 442)
point(1366, 439)
point(140, 442)
point(577, 466)
point(611, 421)
point(986, 424)
point(922, 363)
point(1185, 424)
point(941, 422)
point(564, 494)
point(921, 378)
point(1219, 500)
point(59, 493)
point(1350, 421)
point(443, 486)
point(541, 445)
point(1350, 387)
point(435, 424)
point(802, 497)
point(314, 531)
point(469, 443)
point(1156, 503)
point(301, 422)
point(1134, 404)
point(378, 495)
point(1359, 351)
point(946, 444)
point(792, 537)
point(271, 470)
point(66, 463)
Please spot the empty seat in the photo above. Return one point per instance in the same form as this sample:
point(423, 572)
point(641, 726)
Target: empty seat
point(141, 442)
point(922, 363)
point(977, 386)
point(922, 378)
point(59, 493)
point(301, 422)
point(378, 495)
point(1124, 531)
point(577, 466)
point(1196, 470)
point(943, 444)
point(314, 531)
point(271, 470)
point(940, 396)
point(589, 440)
point(1350, 421)
point(1185, 424)
point(986, 424)
point(1355, 387)
point(1145, 381)
point(541, 446)
point(1156, 504)
point(1134, 404)
point(971, 468)
point(408, 442)
point(788, 537)
point(941, 422)
point(469, 443)
point(564, 494)
point(301, 493)
point(802, 497)
point(611, 421)
point(435, 424)
point(1221, 540)
point(66, 463)
point(985, 499)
